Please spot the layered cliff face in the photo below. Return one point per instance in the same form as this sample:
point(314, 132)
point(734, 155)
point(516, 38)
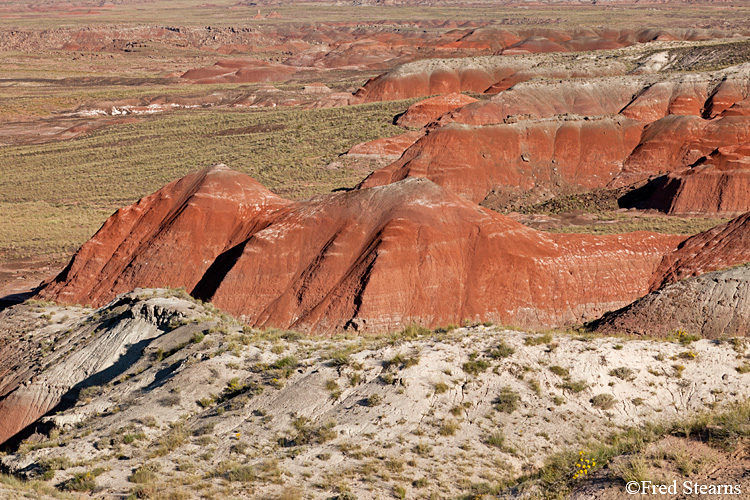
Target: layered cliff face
point(553, 137)
point(519, 61)
point(423, 112)
point(543, 154)
point(369, 260)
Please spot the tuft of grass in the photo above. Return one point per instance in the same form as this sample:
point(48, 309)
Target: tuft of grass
point(241, 473)
point(374, 400)
point(82, 481)
point(622, 372)
point(560, 371)
point(475, 366)
point(603, 401)
point(414, 331)
point(145, 474)
point(496, 439)
point(507, 401)
point(449, 428)
point(441, 387)
point(575, 386)
point(538, 340)
point(502, 351)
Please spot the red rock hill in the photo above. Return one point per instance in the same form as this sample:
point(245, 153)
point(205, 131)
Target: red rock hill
point(369, 259)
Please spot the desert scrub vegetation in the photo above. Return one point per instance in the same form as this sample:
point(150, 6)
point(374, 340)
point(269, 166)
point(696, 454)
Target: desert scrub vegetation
point(623, 373)
point(726, 430)
point(507, 401)
point(401, 361)
point(440, 387)
point(307, 432)
point(496, 439)
point(87, 394)
point(502, 351)
point(538, 339)
point(682, 337)
point(603, 401)
point(560, 371)
point(373, 400)
point(289, 160)
point(33, 488)
point(475, 365)
point(171, 440)
point(83, 481)
point(449, 428)
point(574, 386)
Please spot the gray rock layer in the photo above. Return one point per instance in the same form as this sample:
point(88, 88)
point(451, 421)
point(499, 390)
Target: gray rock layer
point(712, 305)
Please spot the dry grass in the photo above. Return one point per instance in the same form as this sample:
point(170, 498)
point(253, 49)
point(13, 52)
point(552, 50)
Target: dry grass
point(54, 196)
point(616, 224)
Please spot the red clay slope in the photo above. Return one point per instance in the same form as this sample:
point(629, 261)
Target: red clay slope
point(370, 259)
point(723, 246)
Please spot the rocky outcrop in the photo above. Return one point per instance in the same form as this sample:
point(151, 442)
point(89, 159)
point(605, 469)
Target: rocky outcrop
point(370, 260)
point(322, 396)
point(491, 74)
point(520, 62)
point(423, 112)
point(723, 246)
point(88, 354)
point(388, 147)
point(240, 71)
point(548, 98)
point(712, 305)
point(717, 184)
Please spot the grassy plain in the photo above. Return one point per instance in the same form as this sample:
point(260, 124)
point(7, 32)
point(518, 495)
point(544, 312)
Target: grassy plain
point(228, 12)
point(54, 196)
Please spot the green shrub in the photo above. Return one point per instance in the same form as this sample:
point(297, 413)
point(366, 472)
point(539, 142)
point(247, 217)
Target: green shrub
point(241, 473)
point(441, 387)
point(145, 474)
point(449, 428)
point(374, 400)
point(575, 385)
point(82, 481)
point(496, 439)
